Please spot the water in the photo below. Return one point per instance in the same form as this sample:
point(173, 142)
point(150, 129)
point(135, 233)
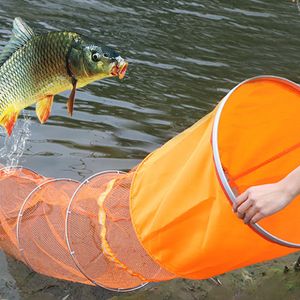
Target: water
point(13, 147)
point(184, 56)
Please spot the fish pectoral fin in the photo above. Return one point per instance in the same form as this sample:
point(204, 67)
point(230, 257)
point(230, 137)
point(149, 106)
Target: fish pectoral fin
point(71, 99)
point(8, 121)
point(43, 108)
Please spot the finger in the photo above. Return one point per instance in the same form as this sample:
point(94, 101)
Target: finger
point(250, 214)
point(241, 216)
point(256, 218)
point(240, 199)
point(241, 210)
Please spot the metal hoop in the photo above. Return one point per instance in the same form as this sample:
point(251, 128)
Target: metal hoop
point(72, 252)
point(221, 173)
point(20, 215)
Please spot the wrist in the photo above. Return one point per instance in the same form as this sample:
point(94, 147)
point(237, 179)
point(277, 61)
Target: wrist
point(290, 187)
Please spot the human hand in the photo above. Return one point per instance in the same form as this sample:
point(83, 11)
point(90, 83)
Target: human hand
point(261, 201)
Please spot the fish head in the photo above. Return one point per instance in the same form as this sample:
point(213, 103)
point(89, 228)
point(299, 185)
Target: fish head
point(106, 61)
point(96, 62)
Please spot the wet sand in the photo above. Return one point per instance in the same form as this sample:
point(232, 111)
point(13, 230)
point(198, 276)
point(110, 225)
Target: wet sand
point(276, 279)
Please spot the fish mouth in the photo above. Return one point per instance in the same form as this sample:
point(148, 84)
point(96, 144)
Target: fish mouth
point(119, 69)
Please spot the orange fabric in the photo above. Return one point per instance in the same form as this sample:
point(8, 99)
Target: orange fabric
point(180, 213)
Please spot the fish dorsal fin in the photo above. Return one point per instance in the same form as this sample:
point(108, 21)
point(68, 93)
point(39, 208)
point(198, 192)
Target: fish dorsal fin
point(21, 34)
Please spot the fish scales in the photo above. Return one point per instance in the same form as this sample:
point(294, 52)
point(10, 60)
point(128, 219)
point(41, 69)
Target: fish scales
point(36, 70)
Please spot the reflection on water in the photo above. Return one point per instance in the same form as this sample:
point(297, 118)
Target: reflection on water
point(183, 57)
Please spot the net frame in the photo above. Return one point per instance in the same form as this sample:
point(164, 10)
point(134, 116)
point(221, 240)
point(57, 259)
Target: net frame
point(21, 212)
point(221, 173)
point(69, 242)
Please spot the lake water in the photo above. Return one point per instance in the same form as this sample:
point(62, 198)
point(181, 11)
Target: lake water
point(184, 56)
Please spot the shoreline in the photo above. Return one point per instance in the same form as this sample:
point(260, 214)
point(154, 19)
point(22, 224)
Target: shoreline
point(274, 279)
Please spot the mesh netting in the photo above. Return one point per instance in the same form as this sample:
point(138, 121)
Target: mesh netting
point(121, 237)
point(72, 231)
point(15, 185)
point(42, 218)
point(98, 218)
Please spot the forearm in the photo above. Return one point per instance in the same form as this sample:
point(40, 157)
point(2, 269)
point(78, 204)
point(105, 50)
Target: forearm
point(291, 183)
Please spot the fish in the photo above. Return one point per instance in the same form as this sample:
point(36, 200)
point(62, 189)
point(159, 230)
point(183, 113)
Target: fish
point(36, 67)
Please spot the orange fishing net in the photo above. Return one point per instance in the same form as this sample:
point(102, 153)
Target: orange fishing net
point(72, 231)
point(169, 217)
point(180, 196)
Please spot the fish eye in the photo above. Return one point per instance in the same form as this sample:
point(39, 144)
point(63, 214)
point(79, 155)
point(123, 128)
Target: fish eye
point(96, 56)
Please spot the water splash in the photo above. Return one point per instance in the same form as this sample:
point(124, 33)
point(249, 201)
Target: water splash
point(13, 147)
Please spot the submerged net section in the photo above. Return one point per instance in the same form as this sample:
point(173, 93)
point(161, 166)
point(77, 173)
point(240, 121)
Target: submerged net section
point(80, 232)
